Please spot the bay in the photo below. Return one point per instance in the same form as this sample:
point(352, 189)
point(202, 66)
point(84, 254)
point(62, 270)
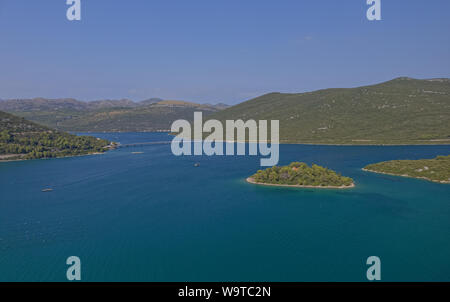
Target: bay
point(142, 214)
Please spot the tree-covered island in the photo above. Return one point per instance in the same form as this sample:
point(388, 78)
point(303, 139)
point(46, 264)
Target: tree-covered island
point(299, 174)
point(436, 169)
point(22, 140)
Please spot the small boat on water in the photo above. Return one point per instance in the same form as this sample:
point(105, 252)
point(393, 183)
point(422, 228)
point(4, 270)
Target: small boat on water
point(197, 165)
point(137, 152)
point(47, 190)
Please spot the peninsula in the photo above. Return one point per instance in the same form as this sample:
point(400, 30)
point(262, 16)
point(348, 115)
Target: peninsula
point(301, 175)
point(436, 169)
point(21, 140)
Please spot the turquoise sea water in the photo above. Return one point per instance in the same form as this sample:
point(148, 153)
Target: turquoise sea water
point(155, 217)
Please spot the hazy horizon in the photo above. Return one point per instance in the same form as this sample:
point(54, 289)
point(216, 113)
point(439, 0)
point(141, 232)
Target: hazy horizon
point(215, 52)
point(193, 101)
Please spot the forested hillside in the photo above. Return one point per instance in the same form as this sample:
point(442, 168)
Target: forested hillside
point(401, 111)
point(21, 139)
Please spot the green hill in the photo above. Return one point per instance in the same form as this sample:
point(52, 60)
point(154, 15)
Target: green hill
point(105, 115)
point(22, 139)
point(401, 111)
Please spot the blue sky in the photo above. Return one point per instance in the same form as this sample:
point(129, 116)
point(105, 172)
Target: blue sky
point(216, 50)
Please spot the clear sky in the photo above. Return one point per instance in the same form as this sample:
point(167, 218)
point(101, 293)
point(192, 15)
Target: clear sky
point(215, 50)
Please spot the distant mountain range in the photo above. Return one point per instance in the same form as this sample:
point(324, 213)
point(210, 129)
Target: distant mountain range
point(106, 115)
point(401, 111)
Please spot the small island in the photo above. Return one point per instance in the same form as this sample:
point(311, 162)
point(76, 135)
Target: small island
point(301, 175)
point(436, 169)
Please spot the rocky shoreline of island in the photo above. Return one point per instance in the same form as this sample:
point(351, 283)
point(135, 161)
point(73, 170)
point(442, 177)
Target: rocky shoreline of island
point(408, 176)
point(252, 181)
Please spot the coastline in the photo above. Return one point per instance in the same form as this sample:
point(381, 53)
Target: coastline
point(406, 175)
point(252, 181)
point(45, 158)
point(437, 142)
point(443, 142)
point(362, 142)
point(374, 144)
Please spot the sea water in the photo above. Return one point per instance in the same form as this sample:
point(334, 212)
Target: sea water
point(152, 216)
